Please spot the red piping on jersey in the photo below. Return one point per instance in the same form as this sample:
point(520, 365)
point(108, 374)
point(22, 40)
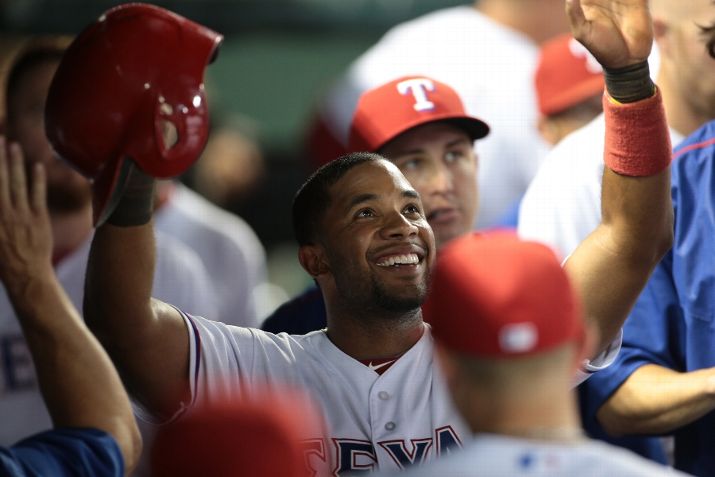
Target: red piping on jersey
point(699, 145)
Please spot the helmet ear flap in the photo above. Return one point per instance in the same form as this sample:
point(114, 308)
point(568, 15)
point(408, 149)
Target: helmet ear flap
point(179, 134)
point(181, 129)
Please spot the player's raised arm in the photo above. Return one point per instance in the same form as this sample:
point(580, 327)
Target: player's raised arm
point(611, 266)
point(123, 110)
point(80, 386)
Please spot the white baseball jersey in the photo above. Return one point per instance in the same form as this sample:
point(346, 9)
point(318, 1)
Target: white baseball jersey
point(228, 247)
point(502, 456)
point(388, 421)
point(489, 65)
point(563, 203)
point(179, 278)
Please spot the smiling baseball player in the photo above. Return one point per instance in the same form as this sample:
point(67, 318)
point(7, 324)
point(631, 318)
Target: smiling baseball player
point(364, 238)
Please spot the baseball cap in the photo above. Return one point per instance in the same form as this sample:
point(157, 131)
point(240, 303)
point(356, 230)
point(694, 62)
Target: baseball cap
point(389, 110)
point(260, 436)
point(496, 296)
point(567, 74)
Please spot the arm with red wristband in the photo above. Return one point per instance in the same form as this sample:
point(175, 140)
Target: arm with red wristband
point(612, 265)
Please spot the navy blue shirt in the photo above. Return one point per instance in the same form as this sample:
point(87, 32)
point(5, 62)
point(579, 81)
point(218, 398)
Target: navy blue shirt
point(673, 322)
point(299, 316)
point(63, 452)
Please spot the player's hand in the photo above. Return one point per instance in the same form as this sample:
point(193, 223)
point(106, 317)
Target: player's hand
point(618, 33)
point(25, 233)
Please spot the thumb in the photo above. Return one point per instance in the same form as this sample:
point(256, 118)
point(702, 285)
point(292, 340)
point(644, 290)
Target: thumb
point(577, 19)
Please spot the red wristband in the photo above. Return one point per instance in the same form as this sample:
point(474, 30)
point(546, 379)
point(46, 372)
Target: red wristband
point(637, 137)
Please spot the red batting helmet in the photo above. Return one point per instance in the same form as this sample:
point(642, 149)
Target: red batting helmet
point(127, 76)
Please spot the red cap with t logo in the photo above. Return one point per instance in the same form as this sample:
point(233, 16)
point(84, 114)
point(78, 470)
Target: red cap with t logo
point(389, 110)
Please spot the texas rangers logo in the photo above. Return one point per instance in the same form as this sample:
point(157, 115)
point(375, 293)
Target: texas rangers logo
point(418, 88)
point(352, 456)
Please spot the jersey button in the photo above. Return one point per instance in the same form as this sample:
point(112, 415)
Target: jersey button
point(390, 426)
point(383, 395)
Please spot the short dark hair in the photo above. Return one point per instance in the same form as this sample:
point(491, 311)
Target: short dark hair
point(26, 63)
point(313, 198)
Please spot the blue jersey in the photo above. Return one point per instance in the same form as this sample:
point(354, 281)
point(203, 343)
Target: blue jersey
point(673, 324)
point(63, 452)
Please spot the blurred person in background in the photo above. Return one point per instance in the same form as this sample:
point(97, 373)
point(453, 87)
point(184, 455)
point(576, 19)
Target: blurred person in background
point(488, 53)
point(561, 206)
point(28, 66)
point(569, 85)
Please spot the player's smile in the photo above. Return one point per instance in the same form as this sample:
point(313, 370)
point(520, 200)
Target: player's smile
point(405, 259)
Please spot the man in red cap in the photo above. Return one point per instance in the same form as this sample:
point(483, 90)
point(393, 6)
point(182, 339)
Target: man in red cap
point(364, 237)
point(569, 85)
point(509, 336)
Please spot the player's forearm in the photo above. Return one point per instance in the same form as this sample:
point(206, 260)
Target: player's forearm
point(636, 228)
point(120, 271)
point(657, 400)
point(80, 386)
point(146, 339)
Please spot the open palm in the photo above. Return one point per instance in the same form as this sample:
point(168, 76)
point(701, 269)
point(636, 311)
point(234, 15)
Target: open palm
point(618, 33)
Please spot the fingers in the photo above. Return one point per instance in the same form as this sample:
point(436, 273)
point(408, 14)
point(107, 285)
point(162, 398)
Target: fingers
point(4, 184)
point(14, 194)
point(18, 182)
point(39, 189)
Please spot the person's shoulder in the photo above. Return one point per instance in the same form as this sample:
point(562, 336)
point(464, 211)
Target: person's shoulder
point(438, 19)
point(207, 218)
point(619, 461)
point(587, 142)
point(300, 315)
point(699, 144)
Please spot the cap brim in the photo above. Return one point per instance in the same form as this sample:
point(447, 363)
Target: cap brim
point(108, 187)
point(475, 128)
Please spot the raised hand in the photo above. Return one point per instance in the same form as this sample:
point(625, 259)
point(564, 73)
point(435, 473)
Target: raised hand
point(618, 33)
point(25, 234)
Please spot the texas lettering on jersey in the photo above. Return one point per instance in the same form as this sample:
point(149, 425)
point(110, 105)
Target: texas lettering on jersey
point(17, 372)
point(353, 456)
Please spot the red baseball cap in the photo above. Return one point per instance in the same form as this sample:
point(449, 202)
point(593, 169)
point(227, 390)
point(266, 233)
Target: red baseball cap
point(567, 74)
point(389, 110)
point(261, 435)
point(496, 296)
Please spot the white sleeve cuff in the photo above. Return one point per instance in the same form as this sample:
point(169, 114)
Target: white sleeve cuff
point(602, 361)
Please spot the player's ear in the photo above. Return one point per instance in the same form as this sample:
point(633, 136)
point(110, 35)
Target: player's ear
point(312, 259)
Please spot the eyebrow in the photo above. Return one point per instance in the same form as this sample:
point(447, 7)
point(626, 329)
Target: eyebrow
point(359, 199)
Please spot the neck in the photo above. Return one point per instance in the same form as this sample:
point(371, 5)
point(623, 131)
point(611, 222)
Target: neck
point(70, 230)
point(539, 20)
point(373, 334)
point(682, 116)
point(537, 414)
